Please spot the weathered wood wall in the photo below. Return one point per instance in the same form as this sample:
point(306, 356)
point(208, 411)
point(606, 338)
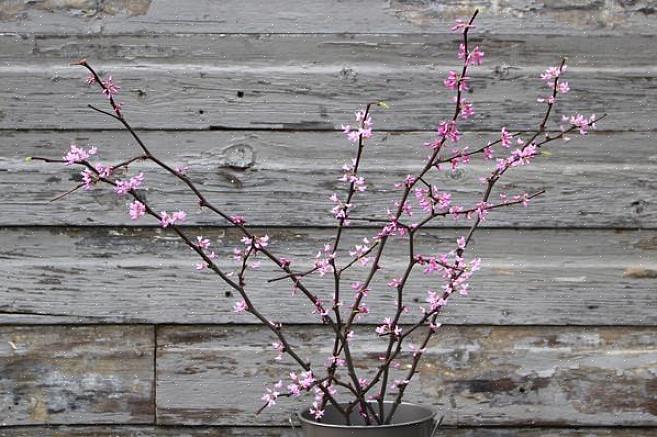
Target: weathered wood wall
point(106, 329)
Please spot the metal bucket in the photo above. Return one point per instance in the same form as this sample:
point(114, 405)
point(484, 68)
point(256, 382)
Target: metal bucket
point(410, 420)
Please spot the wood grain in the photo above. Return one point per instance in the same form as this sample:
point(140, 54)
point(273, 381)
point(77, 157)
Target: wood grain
point(473, 375)
point(79, 375)
point(271, 177)
point(504, 52)
point(100, 275)
point(216, 431)
point(307, 97)
point(296, 16)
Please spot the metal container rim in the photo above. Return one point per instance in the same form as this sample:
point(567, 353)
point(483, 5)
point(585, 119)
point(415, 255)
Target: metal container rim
point(430, 415)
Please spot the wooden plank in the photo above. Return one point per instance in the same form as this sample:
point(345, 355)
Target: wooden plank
point(216, 431)
point(118, 275)
point(310, 97)
point(589, 180)
point(76, 375)
point(471, 375)
point(151, 431)
point(503, 51)
point(296, 16)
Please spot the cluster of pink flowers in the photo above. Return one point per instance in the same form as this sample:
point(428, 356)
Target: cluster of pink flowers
point(137, 210)
point(175, 218)
point(518, 157)
point(78, 154)
point(271, 394)
point(323, 260)
point(449, 130)
point(340, 209)
point(388, 327)
point(455, 81)
point(432, 200)
point(360, 250)
point(364, 130)
point(582, 123)
point(204, 244)
point(122, 187)
point(89, 178)
point(109, 87)
point(256, 243)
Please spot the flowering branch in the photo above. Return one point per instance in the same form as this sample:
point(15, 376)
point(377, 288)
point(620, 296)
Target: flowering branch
point(399, 222)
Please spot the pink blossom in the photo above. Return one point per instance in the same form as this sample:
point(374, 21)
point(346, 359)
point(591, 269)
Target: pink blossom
point(306, 380)
point(366, 122)
point(398, 383)
point(104, 170)
point(488, 152)
point(240, 307)
point(270, 397)
point(316, 411)
point(581, 122)
point(454, 81)
point(364, 131)
point(522, 156)
point(202, 242)
point(482, 210)
point(91, 79)
point(449, 130)
point(444, 200)
point(109, 87)
point(408, 182)
point(461, 53)
point(360, 250)
point(337, 361)
point(462, 25)
point(124, 186)
point(460, 242)
point(435, 301)
point(181, 169)
point(506, 138)
point(237, 219)
point(466, 110)
point(137, 210)
point(434, 326)
point(117, 108)
point(476, 56)
point(552, 73)
point(416, 350)
point(77, 154)
point(257, 242)
point(563, 87)
point(175, 218)
point(294, 390)
point(394, 282)
point(88, 178)
point(279, 348)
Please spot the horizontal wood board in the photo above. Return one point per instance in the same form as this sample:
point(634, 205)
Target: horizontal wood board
point(596, 17)
point(125, 275)
point(473, 376)
point(229, 431)
point(316, 97)
point(271, 179)
point(504, 51)
point(83, 374)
